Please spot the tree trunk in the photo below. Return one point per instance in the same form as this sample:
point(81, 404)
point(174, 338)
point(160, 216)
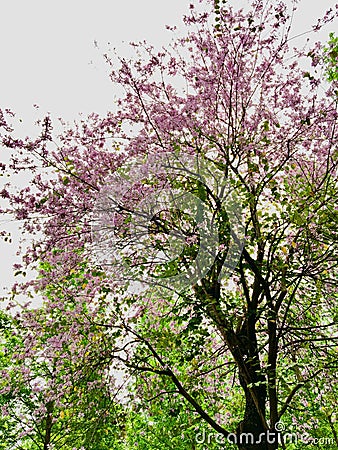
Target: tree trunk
point(251, 432)
point(48, 425)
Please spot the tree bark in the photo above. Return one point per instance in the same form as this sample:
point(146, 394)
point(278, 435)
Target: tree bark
point(48, 425)
point(251, 432)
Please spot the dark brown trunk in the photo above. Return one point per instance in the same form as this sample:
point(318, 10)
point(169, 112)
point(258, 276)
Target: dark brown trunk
point(251, 432)
point(48, 426)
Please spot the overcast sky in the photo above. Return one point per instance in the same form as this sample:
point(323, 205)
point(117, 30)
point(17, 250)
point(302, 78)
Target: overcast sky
point(48, 56)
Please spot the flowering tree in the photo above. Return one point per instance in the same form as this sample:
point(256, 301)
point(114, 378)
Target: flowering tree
point(36, 413)
point(200, 219)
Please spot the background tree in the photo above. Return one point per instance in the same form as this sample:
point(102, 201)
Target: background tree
point(48, 399)
point(331, 58)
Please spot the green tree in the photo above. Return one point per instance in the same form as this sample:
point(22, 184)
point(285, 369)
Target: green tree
point(331, 58)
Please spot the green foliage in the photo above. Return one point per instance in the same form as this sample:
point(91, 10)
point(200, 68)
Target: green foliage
point(331, 58)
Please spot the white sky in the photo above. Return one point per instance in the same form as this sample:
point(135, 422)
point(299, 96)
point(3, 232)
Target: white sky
point(48, 56)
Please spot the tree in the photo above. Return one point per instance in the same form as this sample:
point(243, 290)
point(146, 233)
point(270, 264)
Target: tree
point(160, 191)
point(37, 358)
